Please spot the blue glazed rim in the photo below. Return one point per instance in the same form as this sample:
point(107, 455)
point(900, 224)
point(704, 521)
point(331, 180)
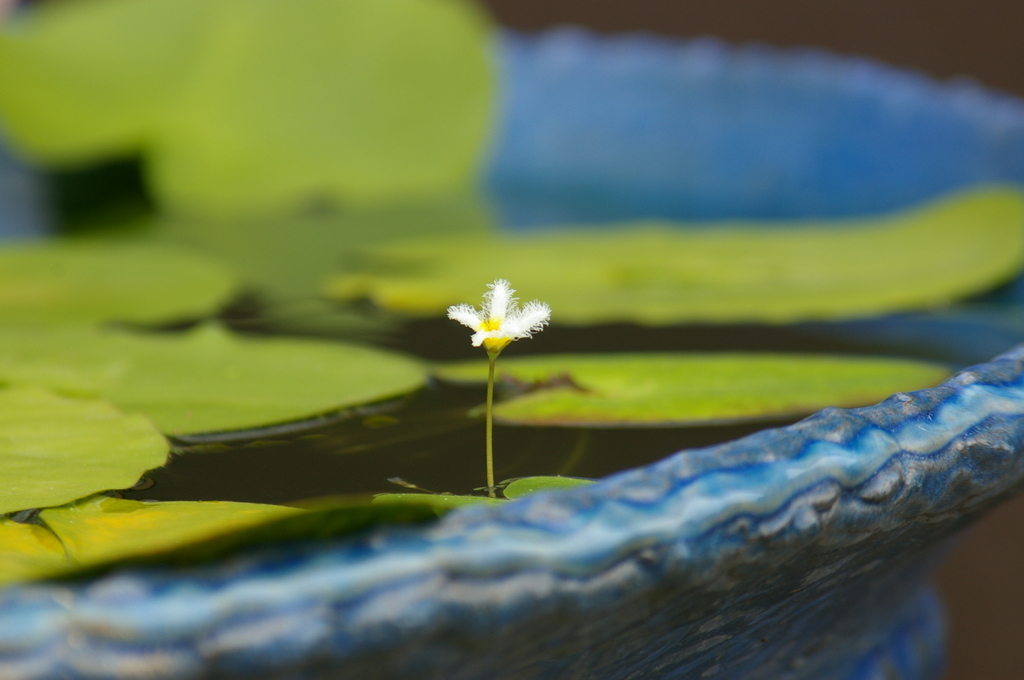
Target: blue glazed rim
point(599, 129)
point(934, 458)
point(924, 462)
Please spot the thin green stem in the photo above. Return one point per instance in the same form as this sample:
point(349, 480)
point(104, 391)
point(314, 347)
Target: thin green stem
point(491, 358)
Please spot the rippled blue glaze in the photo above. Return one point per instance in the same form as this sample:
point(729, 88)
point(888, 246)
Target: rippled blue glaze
point(797, 552)
point(605, 128)
point(22, 205)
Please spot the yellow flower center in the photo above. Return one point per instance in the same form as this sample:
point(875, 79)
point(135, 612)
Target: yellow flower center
point(495, 345)
point(491, 325)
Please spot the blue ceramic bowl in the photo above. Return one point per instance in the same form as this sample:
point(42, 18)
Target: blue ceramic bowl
point(615, 128)
point(799, 552)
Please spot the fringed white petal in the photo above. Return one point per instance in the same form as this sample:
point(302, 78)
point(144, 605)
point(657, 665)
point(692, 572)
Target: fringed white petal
point(465, 315)
point(527, 321)
point(498, 300)
point(500, 309)
point(535, 315)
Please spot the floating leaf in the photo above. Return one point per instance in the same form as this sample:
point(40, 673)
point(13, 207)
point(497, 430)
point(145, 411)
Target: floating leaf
point(76, 282)
point(28, 551)
point(320, 518)
point(525, 486)
point(240, 106)
point(603, 390)
point(289, 257)
point(99, 533)
point(283, 261)
point(54, 450)
point(440, 502)
point(100, 529)
point(652, 273)
point(517, 488)
point(206, 379)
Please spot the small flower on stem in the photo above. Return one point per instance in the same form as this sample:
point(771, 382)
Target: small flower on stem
point(498, 322)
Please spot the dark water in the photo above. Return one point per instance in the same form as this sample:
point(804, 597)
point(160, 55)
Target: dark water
point(428, 438)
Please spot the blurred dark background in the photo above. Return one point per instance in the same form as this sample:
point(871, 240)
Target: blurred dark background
point(980, 39)
point(983, 580)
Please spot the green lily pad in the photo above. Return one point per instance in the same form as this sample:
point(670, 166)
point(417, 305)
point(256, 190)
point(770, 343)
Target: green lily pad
point(238, 107)
point(440, 502)
point(319, 519)
point(652, 273)
point(101, 529)
point(100, 533)
point(284, 258)
point(518, 488)
point(205, 380)
point(283, 261)
point(608, 390)
point(54, 450)
point(73, 282)
point(28, 551)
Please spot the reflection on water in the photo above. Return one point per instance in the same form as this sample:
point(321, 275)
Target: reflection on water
point(427, 440)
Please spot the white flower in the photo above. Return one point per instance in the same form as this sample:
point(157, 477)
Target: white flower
point(500, 320)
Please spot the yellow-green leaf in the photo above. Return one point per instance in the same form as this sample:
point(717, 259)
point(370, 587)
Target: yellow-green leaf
point(100, 533)
point(99, 530)
point(59, 282)
point(289, 257)
point(524, 486)
point(54, 449)
point(28, 551)
point(439, 502)
point(242, 106)
point(605, 390)
point(656, 273)
point(88, 78)
point(206, 379)
point(517, 488)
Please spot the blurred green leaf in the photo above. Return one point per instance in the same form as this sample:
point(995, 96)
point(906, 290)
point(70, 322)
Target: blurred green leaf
point(100, 533)
point(283, 261)
point(61, 282)
point(100, 529)
point(206, 379)
point(440, 502)
point(284, 258)
point(524, 486)
point(54, 450)
point(90, 78)
point(605, 390)
point(243, 106)
point(517, 488)
point(651, 273)
point(28, 551)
